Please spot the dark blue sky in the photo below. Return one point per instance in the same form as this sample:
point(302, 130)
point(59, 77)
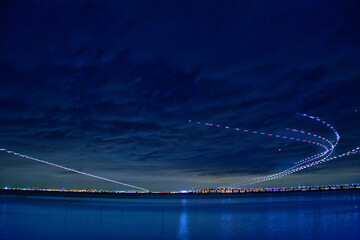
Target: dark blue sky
point(108, 88)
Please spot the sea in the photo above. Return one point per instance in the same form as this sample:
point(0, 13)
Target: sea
point(308, 215)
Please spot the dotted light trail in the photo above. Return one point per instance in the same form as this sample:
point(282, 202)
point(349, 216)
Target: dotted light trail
point(266, 134)
point(305, 163)
point(327, 150)
point(302, 167)
point(73, 170)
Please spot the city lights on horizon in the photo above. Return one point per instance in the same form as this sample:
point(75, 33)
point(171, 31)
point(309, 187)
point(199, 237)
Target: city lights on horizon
point(220, 190)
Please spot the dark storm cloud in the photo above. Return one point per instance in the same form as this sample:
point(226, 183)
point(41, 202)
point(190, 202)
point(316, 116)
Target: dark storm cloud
point(109, 86)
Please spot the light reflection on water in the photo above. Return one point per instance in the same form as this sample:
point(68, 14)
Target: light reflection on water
point(330, 215)
point(183, 223)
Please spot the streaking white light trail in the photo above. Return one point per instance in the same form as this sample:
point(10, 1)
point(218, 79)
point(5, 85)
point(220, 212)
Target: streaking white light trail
point(302, 167)
point(72, 170)
point(305, 163)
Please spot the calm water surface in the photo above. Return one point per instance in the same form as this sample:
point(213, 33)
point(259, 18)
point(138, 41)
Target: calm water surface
point(323, 215)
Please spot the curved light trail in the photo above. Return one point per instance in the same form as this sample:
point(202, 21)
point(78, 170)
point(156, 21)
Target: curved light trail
point(299, 168)
point(72, 170)
point(265, 134)
point(325, 156)
point(305, 163)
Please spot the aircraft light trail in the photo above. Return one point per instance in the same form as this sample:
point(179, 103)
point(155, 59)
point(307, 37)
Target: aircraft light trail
point(305, 163)
point(72, 170)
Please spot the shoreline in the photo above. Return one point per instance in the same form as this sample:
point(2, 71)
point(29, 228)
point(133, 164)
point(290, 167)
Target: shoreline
point(113, 195)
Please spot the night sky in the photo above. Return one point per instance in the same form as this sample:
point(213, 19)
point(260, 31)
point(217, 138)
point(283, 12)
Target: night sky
point(108, 88)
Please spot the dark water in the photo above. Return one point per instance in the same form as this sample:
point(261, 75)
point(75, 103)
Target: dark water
point(323, 215)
